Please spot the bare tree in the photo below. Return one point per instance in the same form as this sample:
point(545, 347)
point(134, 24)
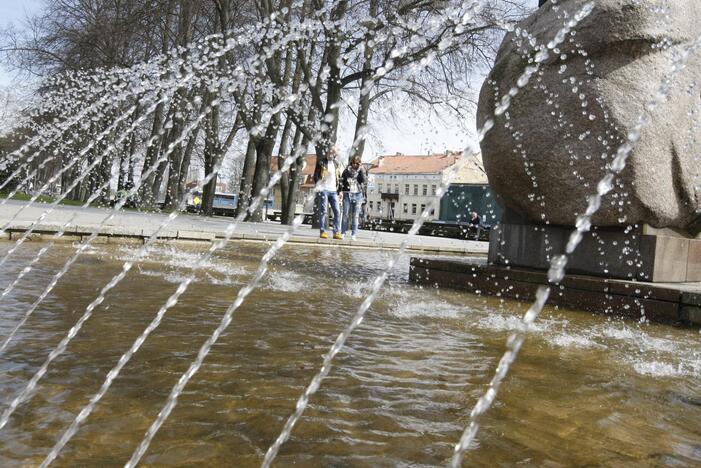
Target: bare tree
point(285, 85)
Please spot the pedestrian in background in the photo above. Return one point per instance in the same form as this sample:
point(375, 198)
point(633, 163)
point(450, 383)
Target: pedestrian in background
point(476, 224)
point(327, 177)
point(353, 182)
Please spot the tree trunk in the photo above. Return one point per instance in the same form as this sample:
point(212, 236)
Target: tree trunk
point(146, 198)
point(214, 150)
point(126, 164)
point(282, 155)
point(185, 165)
point(364, 102)
point(130, 162)
point(212, 153)
point(104, 176)
point(249, 167)
point(173, 195)
point(296, 176)
point(262, 175)
point(121, 179)
point(334, 87)
point(155, 191)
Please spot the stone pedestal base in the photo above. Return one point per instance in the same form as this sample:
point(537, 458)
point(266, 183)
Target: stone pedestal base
point(606, 252)
point(658, 302)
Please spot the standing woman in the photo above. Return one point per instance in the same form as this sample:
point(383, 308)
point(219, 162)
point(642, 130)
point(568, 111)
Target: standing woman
point(353, 182)
point(327, 179)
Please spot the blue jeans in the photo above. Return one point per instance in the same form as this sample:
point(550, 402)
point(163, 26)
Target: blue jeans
point(324, 197)
point(352, 203)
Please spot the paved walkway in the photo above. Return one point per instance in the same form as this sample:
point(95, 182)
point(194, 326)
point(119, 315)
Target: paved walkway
point(188, 227)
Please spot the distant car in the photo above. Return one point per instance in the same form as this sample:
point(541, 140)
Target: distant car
point(224, 204)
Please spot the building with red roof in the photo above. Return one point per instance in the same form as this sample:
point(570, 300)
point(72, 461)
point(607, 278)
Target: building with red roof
point(401, 186)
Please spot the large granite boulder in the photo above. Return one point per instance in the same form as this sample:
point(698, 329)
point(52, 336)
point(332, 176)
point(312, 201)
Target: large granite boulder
point(547, 153)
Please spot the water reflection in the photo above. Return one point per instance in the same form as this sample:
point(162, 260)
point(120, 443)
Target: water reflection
point(585, 390)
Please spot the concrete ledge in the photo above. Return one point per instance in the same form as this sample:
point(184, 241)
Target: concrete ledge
point(119, 231)
point(664, 303)
point(234, 236)
point(300, 239)
point(131, 235)
point(363, 243)
point(256, 237)
point(20, 226)
point(163, 235)
point(196, 235)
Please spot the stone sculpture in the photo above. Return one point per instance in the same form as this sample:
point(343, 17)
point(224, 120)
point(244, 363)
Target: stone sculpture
point(548, 151)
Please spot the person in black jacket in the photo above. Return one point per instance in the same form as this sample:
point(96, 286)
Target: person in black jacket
point(475, 224)
point(327, 175)
point(353, 182)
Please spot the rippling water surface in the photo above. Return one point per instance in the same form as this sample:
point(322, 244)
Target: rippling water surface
point(586, 390)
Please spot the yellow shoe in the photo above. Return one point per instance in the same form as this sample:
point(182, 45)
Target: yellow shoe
point(338, 236)
point(324, 235)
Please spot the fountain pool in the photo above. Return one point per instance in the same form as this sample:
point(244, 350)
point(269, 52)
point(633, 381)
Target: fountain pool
point(586, 389)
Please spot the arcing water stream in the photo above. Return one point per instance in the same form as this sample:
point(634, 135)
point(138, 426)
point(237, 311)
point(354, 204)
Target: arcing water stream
point(374, 291)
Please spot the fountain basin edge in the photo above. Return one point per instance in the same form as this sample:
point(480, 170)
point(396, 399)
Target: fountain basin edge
point(670, 303)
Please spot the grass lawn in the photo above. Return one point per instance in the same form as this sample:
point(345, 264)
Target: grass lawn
point(47, 199)
point(44, 199)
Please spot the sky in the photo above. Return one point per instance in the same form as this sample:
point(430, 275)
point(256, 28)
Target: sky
point(13, 12)
point(410, 134)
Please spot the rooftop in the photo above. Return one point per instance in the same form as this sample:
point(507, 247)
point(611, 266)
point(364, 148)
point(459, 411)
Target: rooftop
point(414, 164)
point(470, 173)
point(307, 172)
point(308, 169)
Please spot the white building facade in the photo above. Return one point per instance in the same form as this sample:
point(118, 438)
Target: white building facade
point(400, 187)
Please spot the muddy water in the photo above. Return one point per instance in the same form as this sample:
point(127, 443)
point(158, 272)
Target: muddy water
point(586, 390)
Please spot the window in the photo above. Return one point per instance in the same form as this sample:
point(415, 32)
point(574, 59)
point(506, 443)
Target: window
point(370, 206)
point(425, 190)
point(416, 189)
point(433, 190)
point(406, 208)
point(396, 188)
point(423, 208)
point(413, 208)
point(406, 189)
